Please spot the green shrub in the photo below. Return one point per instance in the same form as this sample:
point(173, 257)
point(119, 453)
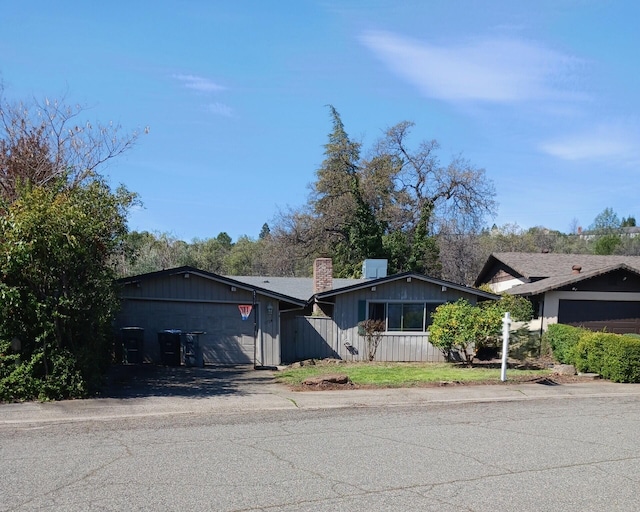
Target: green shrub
point(563, 340)
point(589, 352)
point(621, 359)
point(32, 379)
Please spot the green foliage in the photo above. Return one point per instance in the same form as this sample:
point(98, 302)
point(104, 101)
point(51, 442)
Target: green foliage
point(606, 221)
point(520, 308)
point(613, 356)
point(50, 375)
point(463, 327)
point(628, 222)
point(622, 360)
point(588, 353)
point(563, 340)
point(606, 245)
point(57, 288)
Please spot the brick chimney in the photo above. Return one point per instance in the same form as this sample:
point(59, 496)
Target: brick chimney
point(576, 269)
point(322, 275)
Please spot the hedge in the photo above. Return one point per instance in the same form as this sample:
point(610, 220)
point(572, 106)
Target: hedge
point(563, 340)
point(614, 356)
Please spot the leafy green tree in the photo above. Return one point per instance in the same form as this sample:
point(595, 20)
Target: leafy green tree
point(264, 232)
point(607, 244)
point(606, 222)
point(463, 327)
point(628, 222)
point(61, 235)
point(57, 292)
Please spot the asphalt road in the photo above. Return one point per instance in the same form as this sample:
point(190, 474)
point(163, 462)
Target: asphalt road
point(571, 454)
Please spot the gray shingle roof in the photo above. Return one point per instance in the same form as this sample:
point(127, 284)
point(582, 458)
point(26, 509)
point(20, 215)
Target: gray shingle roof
point(541, 265)
point(549, 271)
point(552, 283)
point(298, 287)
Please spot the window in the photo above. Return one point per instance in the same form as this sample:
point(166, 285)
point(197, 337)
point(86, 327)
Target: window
point(403, 316)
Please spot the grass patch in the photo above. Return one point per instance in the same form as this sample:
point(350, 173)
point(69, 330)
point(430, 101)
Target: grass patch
point(405, 374)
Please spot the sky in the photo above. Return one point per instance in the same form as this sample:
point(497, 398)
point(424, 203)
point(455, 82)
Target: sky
point(542, 94)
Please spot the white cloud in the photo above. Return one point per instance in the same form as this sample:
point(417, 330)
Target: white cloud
point(492, 70)
point(199, 83)
point(612, 142)
point(220, 109)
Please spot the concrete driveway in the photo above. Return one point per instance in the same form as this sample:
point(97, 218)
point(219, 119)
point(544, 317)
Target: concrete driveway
point(147, 380)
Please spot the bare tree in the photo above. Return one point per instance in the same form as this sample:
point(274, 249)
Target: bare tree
point(43, 142)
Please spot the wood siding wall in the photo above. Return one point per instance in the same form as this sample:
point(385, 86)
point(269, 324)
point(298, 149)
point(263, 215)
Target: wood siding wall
point(320, 337)
point(199, 303)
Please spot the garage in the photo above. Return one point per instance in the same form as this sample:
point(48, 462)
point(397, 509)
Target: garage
point(189, 300)
point(615, 316)
point(226, 338)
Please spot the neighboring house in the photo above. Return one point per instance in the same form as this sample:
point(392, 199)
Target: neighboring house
point(291, 319)
point(596, 292)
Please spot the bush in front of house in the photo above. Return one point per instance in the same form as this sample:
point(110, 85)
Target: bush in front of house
point(621, 359)
point(589, 352)
point(53, 375)
point(614, 356)
point(563, 340)
point(463, 327)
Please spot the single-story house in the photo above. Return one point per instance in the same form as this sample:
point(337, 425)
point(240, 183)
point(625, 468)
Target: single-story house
point(596, 292)
point(268, 321)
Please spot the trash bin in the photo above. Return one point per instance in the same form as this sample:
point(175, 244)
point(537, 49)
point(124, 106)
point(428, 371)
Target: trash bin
point(169, 341)
point(191, 350)
point(132, 344)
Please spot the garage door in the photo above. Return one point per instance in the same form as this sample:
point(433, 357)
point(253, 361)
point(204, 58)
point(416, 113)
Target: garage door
point(614, 316)
point(228, 338)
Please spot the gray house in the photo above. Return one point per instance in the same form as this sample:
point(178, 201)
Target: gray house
point(288, 319)
point(596, 292)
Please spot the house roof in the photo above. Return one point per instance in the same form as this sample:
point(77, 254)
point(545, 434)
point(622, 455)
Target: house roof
point(536, 266)
point(365, 283)
point(298, 287)
point(299, 290)
point(232, 281)
point(549, 271)
point(552, 283)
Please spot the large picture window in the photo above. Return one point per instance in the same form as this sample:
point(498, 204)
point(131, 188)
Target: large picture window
point(403, 316)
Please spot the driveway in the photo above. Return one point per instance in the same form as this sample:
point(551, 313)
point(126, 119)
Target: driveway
point(148, 380)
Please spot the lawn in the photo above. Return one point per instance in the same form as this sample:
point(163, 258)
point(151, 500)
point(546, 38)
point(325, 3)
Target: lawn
point(406, 374)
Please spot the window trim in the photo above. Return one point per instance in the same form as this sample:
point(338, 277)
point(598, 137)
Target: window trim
point(425, 319)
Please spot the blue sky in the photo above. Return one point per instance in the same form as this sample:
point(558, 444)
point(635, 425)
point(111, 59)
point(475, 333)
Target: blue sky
point(542, 94)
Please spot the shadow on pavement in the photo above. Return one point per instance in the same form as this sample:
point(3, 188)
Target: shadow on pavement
point(147, 380)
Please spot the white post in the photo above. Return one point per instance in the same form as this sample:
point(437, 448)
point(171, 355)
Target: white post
point(506, 323)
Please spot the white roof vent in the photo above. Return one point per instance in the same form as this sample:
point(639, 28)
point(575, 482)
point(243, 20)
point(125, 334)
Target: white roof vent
point(373, 269)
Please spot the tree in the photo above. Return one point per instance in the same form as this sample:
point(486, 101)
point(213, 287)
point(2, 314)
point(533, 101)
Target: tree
point(463, 327)
point(57, 291)
point(393, 203)
point(606, 221)
point(264, 232)
point(372, 330)
point(43, 143)
point(628, 222)
point(61, 232)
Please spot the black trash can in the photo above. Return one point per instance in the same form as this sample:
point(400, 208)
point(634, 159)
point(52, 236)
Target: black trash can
point(132, 344)
point(169, 341)
point(191, 350)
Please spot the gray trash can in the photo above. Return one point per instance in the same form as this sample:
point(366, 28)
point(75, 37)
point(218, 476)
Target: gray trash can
point(132, 344)
point(169, 341)
point(191, 349)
